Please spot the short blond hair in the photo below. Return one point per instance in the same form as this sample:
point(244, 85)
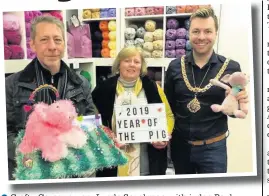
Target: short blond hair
point(127, 52)
point(205, 12)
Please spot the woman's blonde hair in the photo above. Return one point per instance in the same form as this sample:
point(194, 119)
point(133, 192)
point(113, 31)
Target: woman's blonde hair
point(127, 52)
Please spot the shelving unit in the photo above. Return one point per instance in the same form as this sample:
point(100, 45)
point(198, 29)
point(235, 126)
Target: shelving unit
point(97, 65)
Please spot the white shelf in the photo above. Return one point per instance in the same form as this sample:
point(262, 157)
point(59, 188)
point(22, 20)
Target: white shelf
point(98, 19)
point(15, 65)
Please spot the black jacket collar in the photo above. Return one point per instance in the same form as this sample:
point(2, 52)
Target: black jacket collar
point(28, 73)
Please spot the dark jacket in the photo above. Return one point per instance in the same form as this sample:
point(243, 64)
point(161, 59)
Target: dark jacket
point(104, 97)
point(20, 85)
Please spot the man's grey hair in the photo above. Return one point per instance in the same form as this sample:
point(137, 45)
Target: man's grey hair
point(47, 19)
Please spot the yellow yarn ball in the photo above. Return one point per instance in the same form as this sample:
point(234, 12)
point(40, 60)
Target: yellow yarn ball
point(112, 25)
point(87, 14)
point(113, 53)
point(112, 45)
point(112, 35)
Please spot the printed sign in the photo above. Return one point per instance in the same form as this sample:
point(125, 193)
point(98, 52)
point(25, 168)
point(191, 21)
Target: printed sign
point(89, 123)
point(141, 123)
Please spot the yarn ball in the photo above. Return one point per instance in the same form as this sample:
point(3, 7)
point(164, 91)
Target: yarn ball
point(140, 32)
point(105, 35)
point(87, 14)
point(97, 35)
point(97, 45)
point(146, 54)
point(7, 51)
point(103, 25)
point(112, 45)
point(104, 9)
point(148, 46)
point(129, 33)
point(149, 10)
point(129, 43)
point(205, 6)
point(157, 53)
point(180, 52)
point(170, 45)
point(158, 10)
point(181, 33)
point(95, 9)
point(86, 75)
point(187, 24)
point(28, 16)
point(157, 34)
point(46, 14)
point(112, 12)
point(95, 14)
point(171, 34)
point(187, 35)
point(57, 14)
point(112, 35)
point(30, 54)
point(113, 53)
point(158, 45)
point(170, 53)
point(28, 29)
point(180, 43)
point(11, 22)
point(191, 8)
point(171, 10)
point(5, 40)
point(96, 53)
point(112, 26)
point(133, 26)
point(105, 44)
point(140, 11)
point(103, 14)
point(36, 13)
point(129, 11)
point(188, 45)
point(105, 52)
point(181, 9)
point(148, 37)
point(13, 37)
point(150, 25)
point(139, 42)
point(139, 49)
point(172, 23)
point(17, 52)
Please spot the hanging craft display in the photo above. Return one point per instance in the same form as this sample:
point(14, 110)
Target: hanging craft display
point(56, 143)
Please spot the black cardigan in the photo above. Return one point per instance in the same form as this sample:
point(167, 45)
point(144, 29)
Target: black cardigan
point(104, 97)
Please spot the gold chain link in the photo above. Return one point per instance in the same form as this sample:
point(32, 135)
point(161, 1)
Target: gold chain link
point(208, 86)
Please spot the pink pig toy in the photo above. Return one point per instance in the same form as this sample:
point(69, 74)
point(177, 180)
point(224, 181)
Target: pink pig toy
point(230, 105)
point(50, 129)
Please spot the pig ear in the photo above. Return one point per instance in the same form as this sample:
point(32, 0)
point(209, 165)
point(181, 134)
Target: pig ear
point(41, 110)
point(226, 78)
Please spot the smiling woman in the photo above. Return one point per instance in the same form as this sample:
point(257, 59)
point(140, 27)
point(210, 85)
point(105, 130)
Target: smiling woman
point(130, 85)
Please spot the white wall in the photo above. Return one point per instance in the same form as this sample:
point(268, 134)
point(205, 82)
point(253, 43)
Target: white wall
point(235, 42)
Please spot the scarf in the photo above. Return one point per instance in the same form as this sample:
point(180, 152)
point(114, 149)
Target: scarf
point(132, 151)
